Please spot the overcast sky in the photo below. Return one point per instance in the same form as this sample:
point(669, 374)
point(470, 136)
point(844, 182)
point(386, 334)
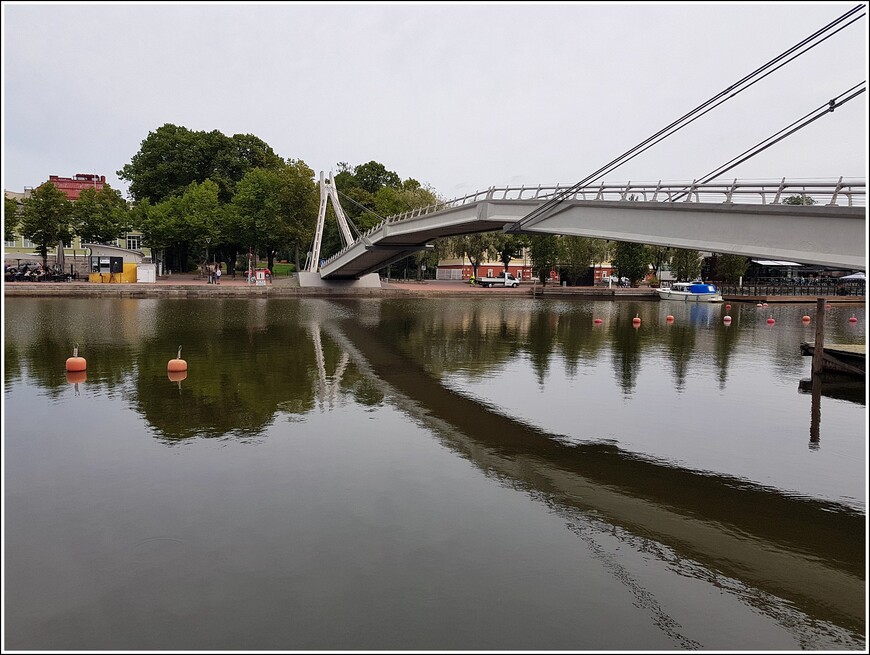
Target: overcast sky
point(457, 96)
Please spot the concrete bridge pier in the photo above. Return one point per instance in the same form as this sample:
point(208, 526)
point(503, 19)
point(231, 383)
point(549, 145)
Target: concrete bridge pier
point(311, 280)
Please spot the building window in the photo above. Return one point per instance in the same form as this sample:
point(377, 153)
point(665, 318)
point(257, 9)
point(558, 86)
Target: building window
point(26, 243)
point(10, 244)
point(134, 242)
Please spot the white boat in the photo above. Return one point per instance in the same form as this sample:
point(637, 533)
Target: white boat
point(690, 292)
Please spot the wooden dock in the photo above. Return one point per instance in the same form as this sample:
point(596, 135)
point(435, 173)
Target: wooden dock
point(845, 359)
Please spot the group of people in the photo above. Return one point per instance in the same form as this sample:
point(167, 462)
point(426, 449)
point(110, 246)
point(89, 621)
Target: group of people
point(30, 273)
point(214, 274)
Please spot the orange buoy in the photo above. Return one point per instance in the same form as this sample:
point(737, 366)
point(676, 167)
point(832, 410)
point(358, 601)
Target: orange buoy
point(669, 318)
point(76, 363)
point(177, 364)
point(177, 376)
point(598, 321)
point(636, 320)
point(827, 306)
point(805, 319)
point(771, 321)
point(74, 377)
point(853, 320)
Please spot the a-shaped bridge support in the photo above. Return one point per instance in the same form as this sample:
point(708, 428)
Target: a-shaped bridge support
point(311, 277)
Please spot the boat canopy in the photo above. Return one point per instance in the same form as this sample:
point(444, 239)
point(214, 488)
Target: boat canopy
point(702, 288)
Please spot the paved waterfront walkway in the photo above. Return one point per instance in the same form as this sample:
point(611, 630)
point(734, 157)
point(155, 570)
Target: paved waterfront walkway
point(195, 286)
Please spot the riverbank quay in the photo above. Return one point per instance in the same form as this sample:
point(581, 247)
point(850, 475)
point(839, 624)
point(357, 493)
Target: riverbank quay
point(177, 286)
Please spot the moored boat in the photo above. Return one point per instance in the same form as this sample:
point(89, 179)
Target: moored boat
point(690, 292)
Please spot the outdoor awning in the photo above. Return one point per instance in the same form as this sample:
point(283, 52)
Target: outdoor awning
point(771, 262)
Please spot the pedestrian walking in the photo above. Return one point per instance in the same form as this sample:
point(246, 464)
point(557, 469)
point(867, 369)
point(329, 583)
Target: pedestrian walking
point(217, 274)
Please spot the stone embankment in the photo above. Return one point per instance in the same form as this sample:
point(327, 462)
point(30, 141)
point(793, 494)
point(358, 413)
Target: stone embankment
point(193, 287)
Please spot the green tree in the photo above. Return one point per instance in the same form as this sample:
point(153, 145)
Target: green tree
point(171, 157)
point(180, 225)
point(99, 216)
point(510, 247)
point(373, 176)
point(686, 264)
point(544, 253)
point(46, 219)
point(477, 247)
point(576, 255)
point(730, 268)
point(202, 211)
point(276, 209)
point(658, 257)
point(11, 218)
point(631, 260)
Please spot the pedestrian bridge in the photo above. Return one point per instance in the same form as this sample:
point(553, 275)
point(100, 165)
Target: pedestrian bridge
point(742, 218)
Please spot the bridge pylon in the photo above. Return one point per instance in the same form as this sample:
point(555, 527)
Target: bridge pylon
point(310, 276)
point(328, 192)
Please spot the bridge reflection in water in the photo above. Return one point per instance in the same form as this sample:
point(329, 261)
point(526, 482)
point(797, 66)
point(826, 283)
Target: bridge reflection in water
point(811, 553)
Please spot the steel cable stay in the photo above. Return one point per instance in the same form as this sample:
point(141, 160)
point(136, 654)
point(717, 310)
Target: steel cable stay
point(733, 90)
point(773, 139)
point(361, 206)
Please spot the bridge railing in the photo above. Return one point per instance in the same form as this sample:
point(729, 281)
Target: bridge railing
point(849, 192)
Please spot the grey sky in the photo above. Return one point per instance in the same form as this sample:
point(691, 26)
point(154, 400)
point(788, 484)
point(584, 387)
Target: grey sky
point(457, 96)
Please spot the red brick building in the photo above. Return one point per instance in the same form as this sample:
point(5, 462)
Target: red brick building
point(73, 186)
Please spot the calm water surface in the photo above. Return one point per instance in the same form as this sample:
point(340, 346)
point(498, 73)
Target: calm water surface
point(429, 474)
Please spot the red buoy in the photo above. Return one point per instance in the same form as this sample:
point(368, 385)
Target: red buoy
point(805, 319)
point(771, 321)
point(669, 318)
point(727, 306)
point(76, 363)
point(759, 305)
point(177, 364)
point(853, 320)
point(827, 306)
point(636, 320)
point(598, 321)
point(726, 320)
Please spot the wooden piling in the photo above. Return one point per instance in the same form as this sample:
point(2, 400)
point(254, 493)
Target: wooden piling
point(819, 349)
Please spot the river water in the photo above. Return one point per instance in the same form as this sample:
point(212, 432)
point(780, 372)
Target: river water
point(429, 474)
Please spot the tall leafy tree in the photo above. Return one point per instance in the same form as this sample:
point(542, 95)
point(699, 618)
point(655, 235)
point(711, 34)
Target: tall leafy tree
point(577, 254)
point(686, 264)
point(658, 257)
point(202, 211)
point(46, 219)
point(544, 253)
point(276, 209)
point(631, 260)
point(179, 226)
point(11, 217)
point(510, 247)
point(730, 268)
point(477, 247)
point(99, 216)
point(373, 176)
point(172, 156)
